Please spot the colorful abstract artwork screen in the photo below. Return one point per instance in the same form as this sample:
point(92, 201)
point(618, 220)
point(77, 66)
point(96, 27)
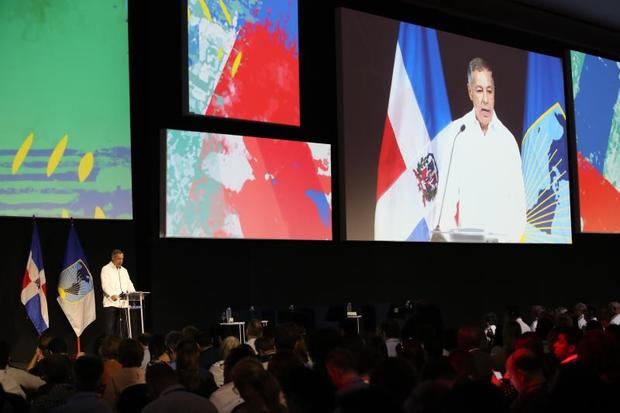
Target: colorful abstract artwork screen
point(450, 138)
point(243, 60)
point(596, 92)
point(64, 109)
point(228, 186)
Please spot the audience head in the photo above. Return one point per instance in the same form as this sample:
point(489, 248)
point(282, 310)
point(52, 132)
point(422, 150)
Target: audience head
point(259, 389)
point(159, 376)
point(468, 338)
point(564, 341)
point(341, 367)
point(236, 354)
point(525, 370)
point(56, 369)
point(130, 353)
point(228, 344)
point(265, 345)
point(109, 348)
point(87, 371)
point(255, 329)
point(171, 342)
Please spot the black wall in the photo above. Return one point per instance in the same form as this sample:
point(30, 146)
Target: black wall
point(194, 280)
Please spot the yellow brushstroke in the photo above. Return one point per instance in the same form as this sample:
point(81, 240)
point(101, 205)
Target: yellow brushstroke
point(188, 14)
point(225, 11)
point(236, 64)
point(220, 54)
point(22, 152)
point(205, 9)
point(56, 155)
point(86, 166)
point(65, 213)
point(99, 214)
point(62, 293)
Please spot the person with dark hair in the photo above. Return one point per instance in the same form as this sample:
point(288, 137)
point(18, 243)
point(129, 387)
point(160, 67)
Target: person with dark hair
point(226, 399)
point(115, 282)
point(157, 349)
point(564, 341)
point(87, 372)
point(130, 354)
point(265, 349)
point(56, 370)
point(145, 339)
point(474, 145)
point(468, 340)
point(342, 371)
point(171, 397)
point(15, 380)
point(108, 351)
point(525, 371)
point(172, 340)
point(194, 378)
point(40, 353)
point(580, 311)
point(209, 353)
point(259, 389)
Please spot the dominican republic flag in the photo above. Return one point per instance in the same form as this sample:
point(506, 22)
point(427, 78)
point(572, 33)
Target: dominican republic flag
point(418, 109)
point(76, 294)
point(34, 287)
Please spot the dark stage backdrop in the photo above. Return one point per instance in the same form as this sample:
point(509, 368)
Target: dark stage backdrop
point(192, 281)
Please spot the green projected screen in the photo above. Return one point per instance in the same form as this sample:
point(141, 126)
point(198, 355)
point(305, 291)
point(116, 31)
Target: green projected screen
point(64, 109)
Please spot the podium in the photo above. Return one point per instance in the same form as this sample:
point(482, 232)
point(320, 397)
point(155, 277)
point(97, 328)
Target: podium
point(240, 325)
point(464, 235)
point(134, 302)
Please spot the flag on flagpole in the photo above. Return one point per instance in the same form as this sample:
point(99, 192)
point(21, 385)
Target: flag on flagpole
point(544, 153)
point(34, 287)
point(418, 109)
point(76, 294)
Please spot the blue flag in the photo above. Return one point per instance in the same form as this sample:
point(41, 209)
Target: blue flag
point(544, 153)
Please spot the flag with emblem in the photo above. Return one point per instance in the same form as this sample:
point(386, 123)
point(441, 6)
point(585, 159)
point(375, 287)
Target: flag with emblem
point(34, 287)
point(418, 109)
point(76, 294)
point(544, 153)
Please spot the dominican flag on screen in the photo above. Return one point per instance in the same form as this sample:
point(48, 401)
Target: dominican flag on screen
point(34, 287)
point(418, 109)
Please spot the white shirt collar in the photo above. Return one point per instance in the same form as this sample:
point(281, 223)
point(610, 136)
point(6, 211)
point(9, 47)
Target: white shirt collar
point(472, 122)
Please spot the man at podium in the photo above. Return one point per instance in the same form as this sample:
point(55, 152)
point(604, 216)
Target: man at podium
point(115, 282)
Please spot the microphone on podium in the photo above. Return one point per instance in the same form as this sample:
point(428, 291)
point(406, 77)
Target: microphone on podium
point(437, 236)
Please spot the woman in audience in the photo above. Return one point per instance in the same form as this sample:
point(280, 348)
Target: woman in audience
point(258, 388)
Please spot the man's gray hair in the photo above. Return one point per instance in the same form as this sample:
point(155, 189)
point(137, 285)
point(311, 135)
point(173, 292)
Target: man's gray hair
point(477, 64)
point(116, 252)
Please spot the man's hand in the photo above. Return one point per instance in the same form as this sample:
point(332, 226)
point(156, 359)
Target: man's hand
point(114, 297)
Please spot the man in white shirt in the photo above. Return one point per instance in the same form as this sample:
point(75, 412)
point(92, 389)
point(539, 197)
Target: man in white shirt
point(484, 190)
point(115, 281)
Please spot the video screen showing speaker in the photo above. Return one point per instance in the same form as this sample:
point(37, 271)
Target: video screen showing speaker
point(450, 138)
point(65, 148)
point(596, 94)
point(243, 59)
point(228, 186)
